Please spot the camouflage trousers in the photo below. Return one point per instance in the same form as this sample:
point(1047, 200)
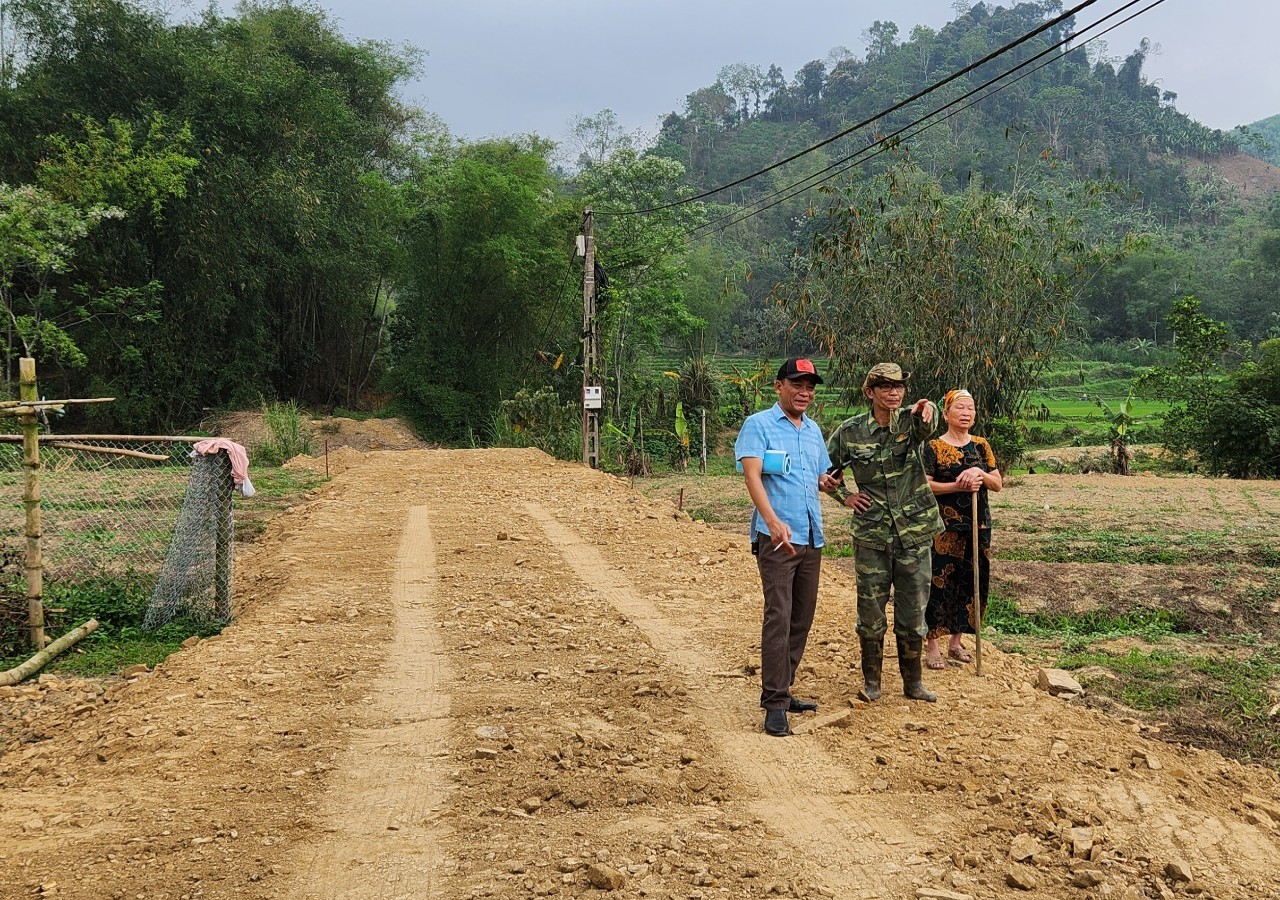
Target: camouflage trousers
point(909, 572)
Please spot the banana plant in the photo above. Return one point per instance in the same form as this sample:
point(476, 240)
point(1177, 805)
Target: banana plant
point(1120, 418)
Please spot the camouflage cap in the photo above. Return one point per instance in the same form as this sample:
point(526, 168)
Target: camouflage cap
point(885, 373)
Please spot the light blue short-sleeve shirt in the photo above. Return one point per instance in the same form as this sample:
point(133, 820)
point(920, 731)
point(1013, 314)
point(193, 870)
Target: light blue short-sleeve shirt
point(794, 497)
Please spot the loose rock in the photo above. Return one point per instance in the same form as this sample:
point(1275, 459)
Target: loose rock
point(939, 894)
point(1058, 681)
point(1021, 878)
point(1178, 870)
point(1023, 847)
point(605, 877)
point(1087, 878)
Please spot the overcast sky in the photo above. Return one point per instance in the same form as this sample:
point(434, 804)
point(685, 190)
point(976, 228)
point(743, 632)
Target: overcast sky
point(497, 67)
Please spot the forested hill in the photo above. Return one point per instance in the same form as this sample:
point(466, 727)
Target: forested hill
point(1086, 108)
point(1082, 116)
point(1269, 131)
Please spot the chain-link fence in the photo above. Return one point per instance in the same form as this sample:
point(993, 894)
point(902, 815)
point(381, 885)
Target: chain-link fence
point(110, 507)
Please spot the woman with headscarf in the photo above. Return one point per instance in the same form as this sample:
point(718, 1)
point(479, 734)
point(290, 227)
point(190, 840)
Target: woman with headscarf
point(957, 466)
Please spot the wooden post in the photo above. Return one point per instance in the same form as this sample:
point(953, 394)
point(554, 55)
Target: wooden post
point(644, 463)
point(590, 344)
point(27, 391)
point(702, 463)
point(222, 543)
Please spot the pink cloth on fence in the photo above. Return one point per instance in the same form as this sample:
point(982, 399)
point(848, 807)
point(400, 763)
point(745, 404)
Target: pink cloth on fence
point(237, 454)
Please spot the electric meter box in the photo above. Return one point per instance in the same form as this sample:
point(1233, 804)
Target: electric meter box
point(592, 397)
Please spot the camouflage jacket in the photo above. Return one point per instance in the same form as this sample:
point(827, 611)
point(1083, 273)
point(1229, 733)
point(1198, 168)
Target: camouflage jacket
point(885, 464)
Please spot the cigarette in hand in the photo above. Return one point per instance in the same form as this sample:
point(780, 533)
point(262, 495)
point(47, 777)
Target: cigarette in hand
point(778, 546)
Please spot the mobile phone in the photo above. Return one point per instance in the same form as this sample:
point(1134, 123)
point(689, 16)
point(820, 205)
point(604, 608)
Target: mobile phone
point(835, 471)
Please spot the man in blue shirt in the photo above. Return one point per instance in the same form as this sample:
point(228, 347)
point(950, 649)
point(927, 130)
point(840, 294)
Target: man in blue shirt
point(786, 530)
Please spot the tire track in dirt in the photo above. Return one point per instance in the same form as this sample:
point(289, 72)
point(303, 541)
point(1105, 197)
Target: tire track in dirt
point(846, 843)
point(383, 837)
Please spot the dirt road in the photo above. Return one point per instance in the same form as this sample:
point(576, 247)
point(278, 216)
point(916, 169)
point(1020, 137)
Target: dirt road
point(488, 674)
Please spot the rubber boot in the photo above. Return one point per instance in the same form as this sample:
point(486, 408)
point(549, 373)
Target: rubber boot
point(872, 666)
point(909, 665)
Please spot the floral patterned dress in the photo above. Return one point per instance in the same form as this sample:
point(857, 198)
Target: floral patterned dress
point(950, 609)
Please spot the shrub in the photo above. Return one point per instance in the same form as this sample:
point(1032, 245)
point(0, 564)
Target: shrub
point(539, 419)
point(288, 433)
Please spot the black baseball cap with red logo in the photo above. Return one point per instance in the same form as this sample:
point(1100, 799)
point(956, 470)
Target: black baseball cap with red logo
point(799, 367)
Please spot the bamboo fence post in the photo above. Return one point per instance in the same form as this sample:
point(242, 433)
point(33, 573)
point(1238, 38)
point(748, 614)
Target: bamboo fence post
point(31, 500)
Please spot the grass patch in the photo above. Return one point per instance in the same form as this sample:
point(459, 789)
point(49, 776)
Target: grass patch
point(1146, 681)
point(708, 514)
point(119, 604)
point(275, 484)
point(1143, 548)
point(1146, 623)
point(1240, 684)
point(1211, 695)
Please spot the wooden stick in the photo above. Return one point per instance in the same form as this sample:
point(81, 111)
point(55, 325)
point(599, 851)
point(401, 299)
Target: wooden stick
point(977, 590)
point(9, 404)
point(141, 438)
point(38, 662)
point(10, 408)
point(85, 448)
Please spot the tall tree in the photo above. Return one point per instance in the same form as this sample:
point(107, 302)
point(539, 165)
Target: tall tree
point(973, 290)
point(276, 251)
point(490, 244)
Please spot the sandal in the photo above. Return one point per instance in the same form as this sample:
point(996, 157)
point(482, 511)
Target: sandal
point(935, 662)
point(960, 654)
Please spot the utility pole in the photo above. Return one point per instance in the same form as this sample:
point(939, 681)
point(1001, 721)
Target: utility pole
point(592, 391)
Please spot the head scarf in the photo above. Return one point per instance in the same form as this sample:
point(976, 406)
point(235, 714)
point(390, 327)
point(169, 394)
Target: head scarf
point(953, 396)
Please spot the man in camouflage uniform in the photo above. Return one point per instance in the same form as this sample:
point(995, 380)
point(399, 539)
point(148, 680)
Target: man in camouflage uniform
point(895, 520)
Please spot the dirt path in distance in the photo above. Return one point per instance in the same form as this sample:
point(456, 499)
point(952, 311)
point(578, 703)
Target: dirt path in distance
point(459, 674)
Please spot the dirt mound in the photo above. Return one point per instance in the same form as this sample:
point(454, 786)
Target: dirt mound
point(249, 428)
point(335, 462)
point(365, 434)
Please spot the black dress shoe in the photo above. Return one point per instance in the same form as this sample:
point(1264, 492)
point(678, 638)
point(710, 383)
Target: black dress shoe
point(800, 706)
point(775, 722)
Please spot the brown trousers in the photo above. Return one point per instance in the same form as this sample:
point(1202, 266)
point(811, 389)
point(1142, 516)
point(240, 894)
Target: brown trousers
point(790, 599)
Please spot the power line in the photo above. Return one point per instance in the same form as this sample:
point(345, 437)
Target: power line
point(889, 141)
point(897, 106)
point(551, 316)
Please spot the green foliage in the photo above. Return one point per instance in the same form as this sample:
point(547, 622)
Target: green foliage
point(1266, 139)
point(644, 256)
point(37, 237)
point(488, 285)
point(1150, 624)
point(680, 449)
point(119, 603)
point(1231, 420)
point(699, 390)
point(256, 151)
point(108, 166)
point(1008, 438)
point(973, 290)
point(288, 433)
point(625, 447)
point(540, 418)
